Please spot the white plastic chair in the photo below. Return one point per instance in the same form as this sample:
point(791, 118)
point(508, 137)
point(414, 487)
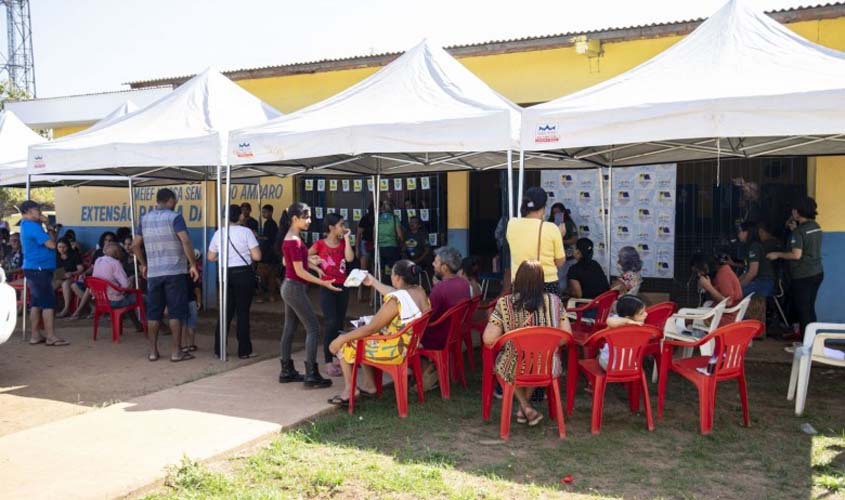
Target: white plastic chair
point(699, 317)
point(8, 308)
point(812, 349)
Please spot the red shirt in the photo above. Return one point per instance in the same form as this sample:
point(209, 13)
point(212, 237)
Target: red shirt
point(444, 296)
point(334, 260)
point(728, 285)
point(294, 251)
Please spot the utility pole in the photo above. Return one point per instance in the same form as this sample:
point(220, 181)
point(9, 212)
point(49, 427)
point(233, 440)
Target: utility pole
point(16, 63)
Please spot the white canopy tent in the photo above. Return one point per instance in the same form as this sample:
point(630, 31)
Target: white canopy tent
point(741, 85)
point(181, 137)
point(424, 112)
point(17, 176)
point(15, 139)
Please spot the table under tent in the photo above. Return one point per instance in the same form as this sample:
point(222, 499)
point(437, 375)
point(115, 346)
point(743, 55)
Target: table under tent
point(181, 138)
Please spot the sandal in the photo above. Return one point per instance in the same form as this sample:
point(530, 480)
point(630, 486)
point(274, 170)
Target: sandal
point(57, 342)
point(248, 356)
point(153, 356)
point(184, 356)
point(339, 401)
point(532, 421)
point(366, 394)
point(190, 348)
point(40, 340)
point(520, 417)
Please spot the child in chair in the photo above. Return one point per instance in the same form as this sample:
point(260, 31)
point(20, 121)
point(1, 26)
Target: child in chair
point(630, 310)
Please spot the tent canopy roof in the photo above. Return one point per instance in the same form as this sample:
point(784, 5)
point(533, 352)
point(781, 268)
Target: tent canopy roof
point(187, 127)
point(423, 102)
point(15, 139)
point(740, 76)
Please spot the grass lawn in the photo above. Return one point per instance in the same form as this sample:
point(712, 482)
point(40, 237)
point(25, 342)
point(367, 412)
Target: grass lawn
point(444, 450)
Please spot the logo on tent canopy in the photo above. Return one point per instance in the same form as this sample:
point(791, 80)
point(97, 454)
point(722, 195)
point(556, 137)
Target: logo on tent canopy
point(39, 162)
point(244, 150)
point(546, 133)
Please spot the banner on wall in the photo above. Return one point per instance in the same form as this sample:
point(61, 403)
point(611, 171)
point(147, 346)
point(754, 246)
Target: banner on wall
point(640, 206)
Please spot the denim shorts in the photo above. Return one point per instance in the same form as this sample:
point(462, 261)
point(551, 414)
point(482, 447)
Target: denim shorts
point(127, 300)
point(167, 291)
point(193, 313)
point(40, 284)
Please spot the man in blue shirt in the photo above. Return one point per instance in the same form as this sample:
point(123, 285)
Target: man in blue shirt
point(39, 264)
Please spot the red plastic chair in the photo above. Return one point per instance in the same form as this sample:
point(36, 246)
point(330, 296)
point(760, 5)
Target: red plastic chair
point(102, 306)
point(449, 360)
point(582, 330)
point(657, 315)
point(536, 348)
point(627, 346)
point(731, 344)
point(398, 372)
point(467, 333)
point(477, 326)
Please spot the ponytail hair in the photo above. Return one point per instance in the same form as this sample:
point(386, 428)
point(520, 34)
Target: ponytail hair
point(296, 209)
point(534, 199)
point(407, 271)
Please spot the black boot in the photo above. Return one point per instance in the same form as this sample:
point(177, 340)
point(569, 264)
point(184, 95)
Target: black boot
point(289, 373)
point(313, 379)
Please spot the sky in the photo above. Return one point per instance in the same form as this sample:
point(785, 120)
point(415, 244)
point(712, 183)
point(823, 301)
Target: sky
point(85, 46)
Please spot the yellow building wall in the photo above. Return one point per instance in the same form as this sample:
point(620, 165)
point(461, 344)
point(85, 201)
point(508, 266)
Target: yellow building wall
point(63, 131)
point(830, 187)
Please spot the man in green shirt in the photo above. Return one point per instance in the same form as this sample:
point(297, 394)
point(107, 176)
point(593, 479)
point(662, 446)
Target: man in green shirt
point(805, 260)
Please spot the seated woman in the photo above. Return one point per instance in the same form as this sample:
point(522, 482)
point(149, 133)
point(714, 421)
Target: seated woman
point(403, 303)
point(70, 263)
point(79, 287)
point(527, 305)
point(470, 271)
point(586, 277)
point(631, 266)
point(630, 310)
point(759, 276)
point(725, 285)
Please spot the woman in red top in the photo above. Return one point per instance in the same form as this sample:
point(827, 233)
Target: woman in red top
point(724, 286)
point(295, 296)
point(335, 251)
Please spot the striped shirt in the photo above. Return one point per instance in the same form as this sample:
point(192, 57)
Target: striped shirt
point(163, 247)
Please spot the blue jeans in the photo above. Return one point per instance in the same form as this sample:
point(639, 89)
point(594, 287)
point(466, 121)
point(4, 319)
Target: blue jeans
point(127, 300)
point(762, 287)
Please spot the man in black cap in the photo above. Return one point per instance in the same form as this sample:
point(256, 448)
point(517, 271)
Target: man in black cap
point(39, 264)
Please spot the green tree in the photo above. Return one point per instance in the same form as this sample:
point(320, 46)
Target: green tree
point(10, 198)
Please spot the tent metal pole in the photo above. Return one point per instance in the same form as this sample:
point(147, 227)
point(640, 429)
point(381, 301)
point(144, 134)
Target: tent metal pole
point(220, 304)
point(521, 178)
point(377, 212)
point(609, 216)
point(718, 161)
point(25, 288)
point(204, 249)
point(510, 184)
point(600, 174)
point(132, 228)
point(224, 242)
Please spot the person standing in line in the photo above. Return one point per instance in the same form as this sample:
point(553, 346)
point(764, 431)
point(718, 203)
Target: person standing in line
point(366, 246)
point(298, 308)
point(164, 251)
point(39, 264)
point(335, 252)
point(390, 237)
point(586, 277)
point(559, 215)
point(240, 283)
point(247, 220)
point(805, 260)
point(532, 238)
point(268, 267)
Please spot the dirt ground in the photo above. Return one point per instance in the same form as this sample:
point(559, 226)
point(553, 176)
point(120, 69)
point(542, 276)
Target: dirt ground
point(40, 384)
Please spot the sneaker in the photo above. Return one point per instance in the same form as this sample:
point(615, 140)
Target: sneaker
point(497, 393)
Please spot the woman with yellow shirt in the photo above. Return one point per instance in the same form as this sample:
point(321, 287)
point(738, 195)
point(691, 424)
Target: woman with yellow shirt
point(532, 238)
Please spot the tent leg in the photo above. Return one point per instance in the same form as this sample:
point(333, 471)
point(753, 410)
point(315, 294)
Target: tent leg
point(205, 236)
point(25, 288)
point(220, 299)
point(224, 246)
point(605, 233)
point(510, 184)
point(376, 250)
point(609, 248)
point(521, 177)
point(132, 228)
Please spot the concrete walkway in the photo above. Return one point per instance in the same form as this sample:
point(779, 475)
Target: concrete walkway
point(125, 447)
